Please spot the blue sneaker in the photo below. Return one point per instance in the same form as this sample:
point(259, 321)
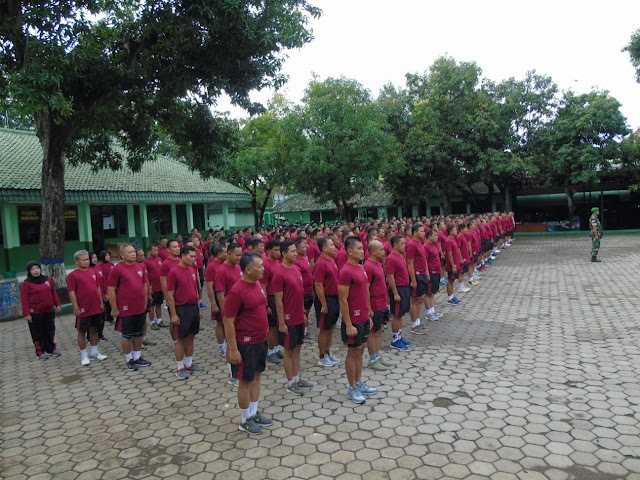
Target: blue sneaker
point(456, 300)
point(366, 389)
point(443, 282)
point(406, 342)
point(203, 306)
point(355, 396)
point(399, 345)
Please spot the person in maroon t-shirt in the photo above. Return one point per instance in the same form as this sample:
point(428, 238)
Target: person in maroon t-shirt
point(154, 268)
point(379, 300)
point(39, 301)
point(128, 297)
point(327, 305)
point(452, 266)
point(246, 324)
point(342, 255)
point(86, 298)
point(417, 264)
point(105, 265)
point(288, 289)
point(313, 252)
point(357, 317)
point(172, 261)
point(400, 292)
point(219, 257)
point(227, 275)
point(140, 259)
point(434, 270)
point(199, 266)
point(302, 262)
point(163, 251)
point(463, 242)
point(182, 299)
point(271, 265)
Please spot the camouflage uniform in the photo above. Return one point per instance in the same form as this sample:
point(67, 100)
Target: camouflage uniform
point(594, 220)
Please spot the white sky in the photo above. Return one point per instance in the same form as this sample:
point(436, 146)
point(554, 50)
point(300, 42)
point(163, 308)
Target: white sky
point(577, 43)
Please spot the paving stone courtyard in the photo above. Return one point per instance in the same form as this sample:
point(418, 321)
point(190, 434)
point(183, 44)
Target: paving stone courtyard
point(534, 376)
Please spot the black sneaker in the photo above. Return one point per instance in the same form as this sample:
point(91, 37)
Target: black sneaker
point(132, 366)
point(261, 420)
point(141, 362)
point(250, 427)
point(280, 355)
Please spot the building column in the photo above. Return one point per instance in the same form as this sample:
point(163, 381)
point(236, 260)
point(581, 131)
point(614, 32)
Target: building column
point(206, 218)
point(144, 224)
point(131, 221)
point(225, 216)
point(84, 222)
point(414, 211)
point(10, 230)
point(174, 219)
point(189, 216)
point(468, 208)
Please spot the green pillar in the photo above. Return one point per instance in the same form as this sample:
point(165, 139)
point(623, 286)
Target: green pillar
point(144, 224)
point(131, 221)
point(468, 208)
point(84, 222)
point(174, 219)
point(206, 219)
point(414, 211)
point(225, 216)
point(189, 216)
point(10, 230)
point(493, 205)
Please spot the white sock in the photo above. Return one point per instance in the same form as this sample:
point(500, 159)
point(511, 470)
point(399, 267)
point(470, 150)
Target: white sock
point(245, 414)
point(128, 357)
point(292, 381)
point(296, 379)
point(305, 330)
point(136, 355)
point(158, 321)
point(83, 353)
point(471, 279)
point(94, 350)
point(221, 346)
point(229, 368)
point(144, 339)
point(180, 364)
point(400, 333)
point(188, 361)
point(253, 408)
point(175, 342)
point(416, 323)
point(431, 311)
point(450, 297)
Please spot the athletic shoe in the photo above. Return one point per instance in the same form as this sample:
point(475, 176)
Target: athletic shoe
point(334, 360)
point(355, 396)
point(55, 353)
point(280, 355)
point(149, 342)
point(233, 381)
point(366, 389)
point(141, 362)
point(325, 362)
point(483, 268)
point(339, 324)
point(154, 326)
point(98, 356)
point(182, 374)
point(464, 289)
point(250, 427)
point(84, 361)
point(42, 356)
point(261, 420)
point(443, 282)
point(418, 330)
point(432, 317)
point(295, 389)
point(223, 351)
point(203, 306)
point(193, 368)
point(492, 257)
point(376, 365)
point(438, 314)
point(474, 283)
point(384, 362)
point(273, 358)
point(303, 384)
point(104, 339)
point(399, 345)
point(109, 322)
point(406, 342)
point(132, 366)
point(163, 325)
point(453, 302)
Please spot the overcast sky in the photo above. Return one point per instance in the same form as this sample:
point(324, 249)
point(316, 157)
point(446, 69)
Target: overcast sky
point(577, 43)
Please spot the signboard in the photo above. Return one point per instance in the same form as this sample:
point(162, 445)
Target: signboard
point(31, 214)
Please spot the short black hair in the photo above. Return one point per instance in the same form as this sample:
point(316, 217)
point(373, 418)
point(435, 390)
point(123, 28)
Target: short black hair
point(395, 239)
point(217, 249)
point(273, 243)
point(449, 228)
point(187, 249)
point(171, 241)
point(300, 240)
point(151, 245)
point(232, 246)
point(248, 243)
point(415, 227)
point(348, 243)
point(284, 246)
point(346, 233)
point(322, 242)
point(431, 232)
point(247, 259)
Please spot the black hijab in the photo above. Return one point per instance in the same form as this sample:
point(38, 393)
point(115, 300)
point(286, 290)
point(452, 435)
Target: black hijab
point(37, 280)
point(91, 254)
point(102, 256)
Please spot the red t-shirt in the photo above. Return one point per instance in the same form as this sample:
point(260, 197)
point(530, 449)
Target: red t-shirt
point(129, 281)
point(226, 276)
point(106, 269)
point(163, 253)
point(327, 274)
point(199, 258)
point(463, 244)
point(476, 242)
point(210, 272)
point(307, 276)
point(289, 282)
point(313, 252)
point(38, 298)
point(377, 285)
point(355, 277)
point(451, 246)
point(154, 266)
point(397, 266)
point(184, 283)
point(442, 238)
point(247, 303)
point(85, 284)
point(270, 269)
point(415, 252)
point(433, 258)
point(341, 258)
point(387, 249)
point(167, 266)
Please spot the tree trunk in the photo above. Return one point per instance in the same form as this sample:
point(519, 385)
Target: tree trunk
point(570, 206)
point(264, 205)
point(445, 203)
point(254, 203)
point(506, 194)
point(55, 140)
point(347, 211)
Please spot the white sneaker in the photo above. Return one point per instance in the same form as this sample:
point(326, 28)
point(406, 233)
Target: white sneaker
point(325, 362)
point(464, 289)
point(334, 360)
point(84, 361)
point(98, 356)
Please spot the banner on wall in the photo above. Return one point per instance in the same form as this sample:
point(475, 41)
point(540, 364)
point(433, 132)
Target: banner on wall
point(31, 214)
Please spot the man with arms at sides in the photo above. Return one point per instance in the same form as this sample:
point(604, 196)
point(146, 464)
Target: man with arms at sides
point(417, 263)
point(271, 266)
point(219, 257)
point(171, 261)
point(463, 246)
point(434, 270)
point(399, 290)
point(128, 297)
point(313, 251)
point(379, 301)
point(182, 299)
point(356, 317)
point(140, 258)
point(246, 324)
point(327, 305)
point(302, 262)
point(453, 262)
point(154, 269)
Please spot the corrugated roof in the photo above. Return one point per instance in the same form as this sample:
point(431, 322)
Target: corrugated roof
point(303, 202)
point(21, 170)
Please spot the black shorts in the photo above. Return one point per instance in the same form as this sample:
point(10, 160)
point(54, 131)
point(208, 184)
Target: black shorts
point(189, 315)
point(308, 302)
point(273, 318)
point(451, 275)
point(434, 284)
point(157, 298)
point(83, 324)
point(380, 318)
point(475, 258)
point(421, 287)
point(216, 316)
point(404, 306)
point(360, 338)
point(131, 325)
point(328, 320)
point(465, 268)
point(293, 338)
point(254, 359)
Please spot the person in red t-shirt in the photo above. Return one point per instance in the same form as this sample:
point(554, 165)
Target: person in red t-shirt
point(400, 292)
point(302, 262)
point(39, 301)
point(379, 300)
point(246, 324)
point(313, 252)
point(154, 267)
point(128, 296)
point(140, 259)
point(417, 264)
point(463, 242)
point(171, 262)
point(342, 255)
point(219, 257)
point(288, 289)
point(163, 251)
point(434, 270)
point(105, 266)
point(199, 266)
point(357, 317)
point(452, 253)
point(182, 299)
point(327, 305)
point(271, 266)
point(86, 298)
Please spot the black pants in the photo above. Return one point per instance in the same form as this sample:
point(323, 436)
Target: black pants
point(43, 331)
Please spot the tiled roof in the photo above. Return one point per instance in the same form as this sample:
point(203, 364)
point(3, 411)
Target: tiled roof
point(303, 202)
point(21, 170)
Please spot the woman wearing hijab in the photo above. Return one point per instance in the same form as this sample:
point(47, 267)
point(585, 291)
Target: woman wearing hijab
point(39, 301)
point(105, 266)
point(94, 264)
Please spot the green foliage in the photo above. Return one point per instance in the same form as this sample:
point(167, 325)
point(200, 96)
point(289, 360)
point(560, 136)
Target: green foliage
point(634, 52)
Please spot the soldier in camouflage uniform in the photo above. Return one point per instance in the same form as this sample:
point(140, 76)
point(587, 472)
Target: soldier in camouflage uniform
point(596, 233)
